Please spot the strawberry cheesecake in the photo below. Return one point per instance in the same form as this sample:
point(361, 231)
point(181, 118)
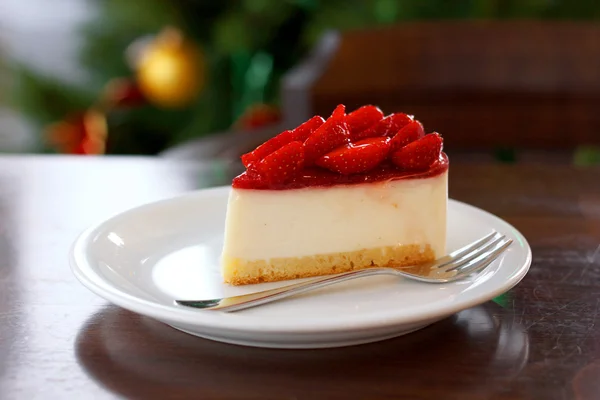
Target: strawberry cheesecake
point(357, 190)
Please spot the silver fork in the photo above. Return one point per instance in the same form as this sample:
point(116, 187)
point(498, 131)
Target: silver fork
point(459, 264)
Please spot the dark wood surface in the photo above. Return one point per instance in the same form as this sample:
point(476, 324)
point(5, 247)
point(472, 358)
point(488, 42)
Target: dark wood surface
point(541, 340)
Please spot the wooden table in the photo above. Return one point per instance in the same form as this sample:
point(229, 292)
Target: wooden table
point(59, 341)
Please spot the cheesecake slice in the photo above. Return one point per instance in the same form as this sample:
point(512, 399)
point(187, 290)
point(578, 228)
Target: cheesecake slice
point(356, 191)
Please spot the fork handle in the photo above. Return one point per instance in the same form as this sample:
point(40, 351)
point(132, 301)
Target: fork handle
point(236, 303)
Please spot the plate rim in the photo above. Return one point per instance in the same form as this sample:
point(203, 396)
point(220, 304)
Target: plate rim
point(237, 322)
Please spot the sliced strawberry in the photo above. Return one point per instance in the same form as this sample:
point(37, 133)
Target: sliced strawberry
point(303, 131)
point(333, 133)
point(387, 126)
point(411, 132)
point(248, 180)
point(268, 147)
point(339, 112)
point(420, 154)
point(354, 158)
point(362, 118)
point(397, 122)
point(377, 129)
point(281, 165)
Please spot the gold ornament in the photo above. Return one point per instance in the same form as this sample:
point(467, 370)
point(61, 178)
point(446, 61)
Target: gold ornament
point(171, 70)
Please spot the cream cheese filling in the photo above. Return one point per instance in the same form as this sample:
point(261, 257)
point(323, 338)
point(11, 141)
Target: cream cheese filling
point(265, 224)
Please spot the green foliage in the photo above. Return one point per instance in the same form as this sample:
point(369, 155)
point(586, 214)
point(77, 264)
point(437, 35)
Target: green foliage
point(505, 155)
point(45, 99)
point(5, 72)
point(587, 155)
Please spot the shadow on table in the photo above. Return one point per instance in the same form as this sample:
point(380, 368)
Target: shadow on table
point(471, 353)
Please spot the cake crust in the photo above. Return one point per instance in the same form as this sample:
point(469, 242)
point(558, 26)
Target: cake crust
point(238, 271)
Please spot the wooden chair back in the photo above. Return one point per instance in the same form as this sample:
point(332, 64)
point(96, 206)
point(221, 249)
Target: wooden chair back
point(483, 85)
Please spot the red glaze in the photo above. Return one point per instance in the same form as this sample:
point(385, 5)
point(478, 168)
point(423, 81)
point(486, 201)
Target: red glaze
point(318, 177)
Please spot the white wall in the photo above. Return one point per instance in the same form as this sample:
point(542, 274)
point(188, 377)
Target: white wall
point(43, 35)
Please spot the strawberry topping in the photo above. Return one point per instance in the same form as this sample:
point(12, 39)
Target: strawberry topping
point(397, 122)
point(357, 157)
point(281, 165)
point(333, 133)
point(362, 118)
point(339, 112)
point(387, 126)
point(362, 146)
point(411, 132)
point(301, 133)
point(249, 180)
point(420, 154)
point(267, 148)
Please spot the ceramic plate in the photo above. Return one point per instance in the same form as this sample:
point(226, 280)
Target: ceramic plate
point(145, 258)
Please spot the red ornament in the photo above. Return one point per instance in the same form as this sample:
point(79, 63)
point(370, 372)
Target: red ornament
point(257, 116)
point(123, 92)
point(82, 133)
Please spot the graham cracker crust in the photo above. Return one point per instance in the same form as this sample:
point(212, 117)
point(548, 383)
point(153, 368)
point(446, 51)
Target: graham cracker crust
point(237, 271)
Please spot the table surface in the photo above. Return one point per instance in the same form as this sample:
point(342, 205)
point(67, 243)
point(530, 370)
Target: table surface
point(58, 340)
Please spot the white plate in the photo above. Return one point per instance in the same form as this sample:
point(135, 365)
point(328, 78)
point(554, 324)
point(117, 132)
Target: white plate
point(145, 258)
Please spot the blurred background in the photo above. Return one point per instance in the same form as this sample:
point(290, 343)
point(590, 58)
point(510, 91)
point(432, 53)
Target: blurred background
point(510, 80)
